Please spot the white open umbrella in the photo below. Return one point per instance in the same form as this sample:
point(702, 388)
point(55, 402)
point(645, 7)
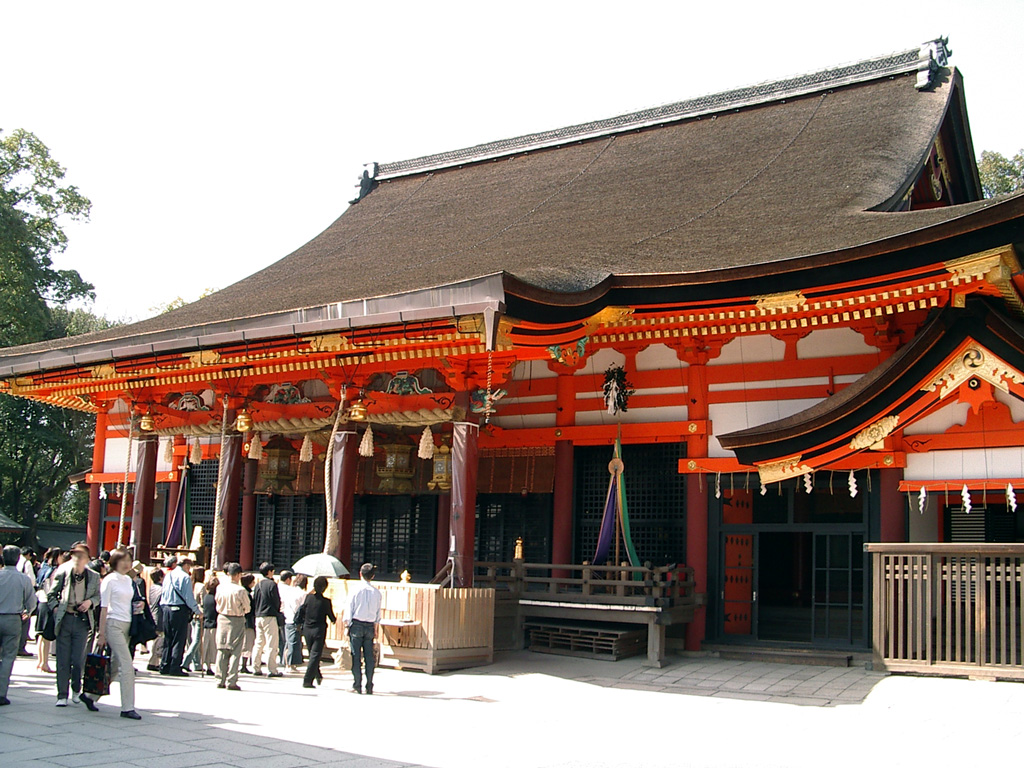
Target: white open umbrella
point(320, 564)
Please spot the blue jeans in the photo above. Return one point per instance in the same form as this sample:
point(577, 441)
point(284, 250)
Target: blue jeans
point(360, 636)
point(291, 650)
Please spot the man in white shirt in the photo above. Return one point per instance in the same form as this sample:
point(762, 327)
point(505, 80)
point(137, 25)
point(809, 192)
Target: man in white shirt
point(25, 566)
point(362, 616)
point(291, 598)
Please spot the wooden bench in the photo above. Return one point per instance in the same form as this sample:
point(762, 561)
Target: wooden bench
point(592, 641)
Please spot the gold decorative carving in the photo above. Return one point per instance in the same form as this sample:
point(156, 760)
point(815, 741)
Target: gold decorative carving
point(782, 470)
point(995, 266)
point(327, 342)
point(105, 371)
point(780, 302)
point(873, 434)
point(204, 357)
point(974, 362)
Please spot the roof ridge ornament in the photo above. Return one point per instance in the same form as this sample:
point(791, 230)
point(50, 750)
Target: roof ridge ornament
point(367, 181)
point(933, 56)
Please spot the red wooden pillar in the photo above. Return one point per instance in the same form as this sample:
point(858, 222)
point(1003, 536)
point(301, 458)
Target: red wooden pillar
point(233, 444)
point(145, 490)
point(561, 529)
point(345, 497)
point(465, 459)
point(892, 506)
point(94, 527)
point(247, 548)
point(697, 501)
point(444, 511)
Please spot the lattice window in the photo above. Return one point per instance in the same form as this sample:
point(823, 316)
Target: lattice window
point(202, 498)
point(395, 533)
point(288, 528)
point(655, 492)
point(503, 517)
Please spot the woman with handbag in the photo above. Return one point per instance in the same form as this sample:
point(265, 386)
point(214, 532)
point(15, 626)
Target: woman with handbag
point(44, 616)
point(116, 594)
point(143, 625)
point(70, 601)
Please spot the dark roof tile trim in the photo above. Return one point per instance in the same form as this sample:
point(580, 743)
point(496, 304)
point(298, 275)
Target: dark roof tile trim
point(762, 93)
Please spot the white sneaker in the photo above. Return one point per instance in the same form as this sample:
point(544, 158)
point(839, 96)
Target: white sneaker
point(62, 702)
point(74, 697)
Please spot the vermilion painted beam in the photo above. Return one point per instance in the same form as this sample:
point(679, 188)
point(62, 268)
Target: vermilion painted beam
point(597, 434)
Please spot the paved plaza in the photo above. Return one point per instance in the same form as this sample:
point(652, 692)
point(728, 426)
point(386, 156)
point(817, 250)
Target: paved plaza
point(529, 710)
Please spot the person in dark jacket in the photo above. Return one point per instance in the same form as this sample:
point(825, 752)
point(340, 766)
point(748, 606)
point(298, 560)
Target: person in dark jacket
point(247, 582)
point(267, 601)
point(208, 652)
point(315, 612)
point(74, 593)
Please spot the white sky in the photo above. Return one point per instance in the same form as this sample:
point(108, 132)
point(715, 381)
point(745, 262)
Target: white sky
point(215, 137)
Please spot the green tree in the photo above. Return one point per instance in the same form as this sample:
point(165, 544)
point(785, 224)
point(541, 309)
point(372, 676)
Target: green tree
point(40, 445)
point(1001, 175)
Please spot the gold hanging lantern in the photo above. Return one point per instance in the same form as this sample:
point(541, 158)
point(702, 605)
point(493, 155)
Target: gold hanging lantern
point(357, 411)
point(396, 472)
point(243, 421)
point(279, 466)
point(442, 469)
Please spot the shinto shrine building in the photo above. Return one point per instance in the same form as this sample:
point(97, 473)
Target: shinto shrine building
point(819, 314)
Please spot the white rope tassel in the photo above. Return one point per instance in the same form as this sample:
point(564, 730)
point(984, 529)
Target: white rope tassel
point(922, 499)
point(852, 483)
point(196, 456)
point(426, 450)
point(965, 497)
point(366, 444)
point(808, 482)
point(256, 446)
point(1011, 497)
point(169, 451)
point(306, 451)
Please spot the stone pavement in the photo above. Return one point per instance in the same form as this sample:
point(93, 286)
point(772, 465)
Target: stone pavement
point(529, 710)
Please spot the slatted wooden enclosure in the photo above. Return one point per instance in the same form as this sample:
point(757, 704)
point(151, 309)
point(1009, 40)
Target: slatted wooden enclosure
point(426, 626)
point(949, 609)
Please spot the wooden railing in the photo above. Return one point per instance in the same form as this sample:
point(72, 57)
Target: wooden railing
point(664, 587)
point(951, 609)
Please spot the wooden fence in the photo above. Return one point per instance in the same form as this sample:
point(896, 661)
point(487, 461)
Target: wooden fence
point(425, 626)
point(949, 609)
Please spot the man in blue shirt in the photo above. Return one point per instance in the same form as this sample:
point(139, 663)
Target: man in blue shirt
point(17, 601)
point(177, 605)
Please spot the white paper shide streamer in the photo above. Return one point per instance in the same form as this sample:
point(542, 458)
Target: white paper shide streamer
point(922, 499)
point(852, 483)
point(1011, 497)
point(718, 485)
point(808, 482)
point(965, 496)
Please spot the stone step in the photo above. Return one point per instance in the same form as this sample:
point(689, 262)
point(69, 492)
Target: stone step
point(775, 654)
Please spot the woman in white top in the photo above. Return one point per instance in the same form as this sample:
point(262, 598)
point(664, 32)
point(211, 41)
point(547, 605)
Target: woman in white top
point(116, 593)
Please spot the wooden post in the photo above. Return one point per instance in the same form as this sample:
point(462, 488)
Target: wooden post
point(655, 644)
point(562, 501)
point(247, 548)
point(233, 444)
point(465, 458)
point(94, 527)
point(697, 500)
point(145, 488)
point(444, 511)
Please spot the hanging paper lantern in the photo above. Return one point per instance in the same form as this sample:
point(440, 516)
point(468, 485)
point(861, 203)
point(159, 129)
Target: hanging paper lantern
point(306, 451)
point(718, 485)
point(366, 444)
point(197, 453)
point(852, 483)
point(169, 451)
point(256, 446)
point(922, 499)
point(808, 482)
point(965, 497)
point(1011, 497)
point(426, 449)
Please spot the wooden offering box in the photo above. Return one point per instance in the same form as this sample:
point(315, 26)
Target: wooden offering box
point(425, 626)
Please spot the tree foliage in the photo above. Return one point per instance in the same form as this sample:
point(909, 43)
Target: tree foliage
point(1001, 175)
point(40, 445)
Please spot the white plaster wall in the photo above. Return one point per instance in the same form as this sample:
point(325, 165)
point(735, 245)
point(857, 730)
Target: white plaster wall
point(600, 360)
point(751, 349)
point(973, 464)
point(831, 342)
point(730, 417)
point(113, 459)
point(1015, 404)
point(532, 369)
point(632, 416)
point(657, 357)
point(525, 421)
point(938, 422)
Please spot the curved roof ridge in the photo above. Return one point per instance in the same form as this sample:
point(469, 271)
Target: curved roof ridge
point(925, 58)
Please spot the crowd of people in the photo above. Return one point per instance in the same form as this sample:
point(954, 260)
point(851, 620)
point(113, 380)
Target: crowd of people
point(185, 620)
